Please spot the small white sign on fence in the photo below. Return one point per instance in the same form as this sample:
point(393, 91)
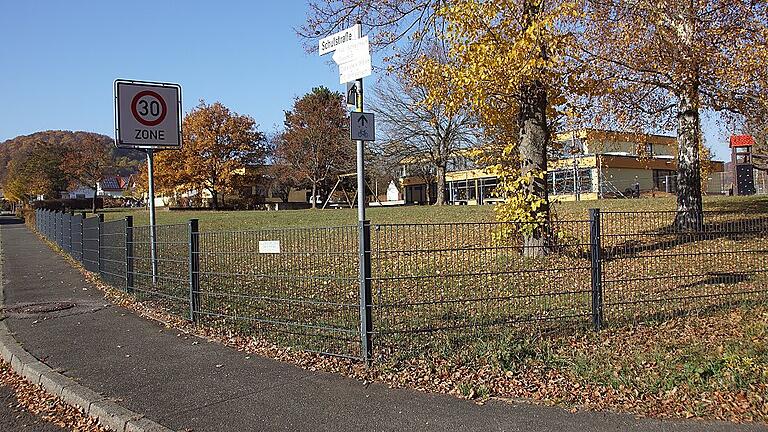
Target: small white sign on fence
point(269, 246)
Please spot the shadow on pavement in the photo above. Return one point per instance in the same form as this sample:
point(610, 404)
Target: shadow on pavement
point(10, 220)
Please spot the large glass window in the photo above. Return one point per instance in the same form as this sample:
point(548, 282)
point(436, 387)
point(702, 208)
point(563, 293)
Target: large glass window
point(566, 181)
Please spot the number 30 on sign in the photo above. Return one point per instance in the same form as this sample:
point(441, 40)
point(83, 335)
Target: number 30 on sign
point(147, 115)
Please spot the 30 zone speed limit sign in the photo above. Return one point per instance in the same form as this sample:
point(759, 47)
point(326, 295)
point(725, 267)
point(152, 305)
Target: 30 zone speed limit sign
point(147, 115)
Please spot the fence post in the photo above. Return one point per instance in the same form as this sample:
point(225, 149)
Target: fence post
point(597, 268)
point(98, 243)
point(82, 237)
point(194, 270)
point(128, 254)
point(70, 217)
point(366, 319)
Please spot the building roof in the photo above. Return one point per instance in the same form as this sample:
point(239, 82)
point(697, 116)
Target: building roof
point(742, 141)
point(613, 135)
point(113, 183)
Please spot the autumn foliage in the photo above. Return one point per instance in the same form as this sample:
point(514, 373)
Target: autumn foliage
point(315, 146)
point(217, 145)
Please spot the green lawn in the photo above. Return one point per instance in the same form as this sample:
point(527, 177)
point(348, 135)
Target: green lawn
point(248, 220)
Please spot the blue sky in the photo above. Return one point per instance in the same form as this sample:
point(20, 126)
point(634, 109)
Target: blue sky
point(58, 60)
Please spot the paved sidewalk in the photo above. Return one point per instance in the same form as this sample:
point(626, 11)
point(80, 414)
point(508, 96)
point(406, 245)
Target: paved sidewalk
point(150, 370)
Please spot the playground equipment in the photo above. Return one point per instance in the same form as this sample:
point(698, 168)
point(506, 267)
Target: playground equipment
point(341, 178)
point(744, 163)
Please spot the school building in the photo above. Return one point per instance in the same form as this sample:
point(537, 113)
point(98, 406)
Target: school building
point(586, 164)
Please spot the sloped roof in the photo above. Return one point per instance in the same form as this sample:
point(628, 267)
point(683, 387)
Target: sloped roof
point(114, 183)
point(742, 141)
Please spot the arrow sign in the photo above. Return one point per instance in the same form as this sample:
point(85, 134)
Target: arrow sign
point(362, 126)
point(353, 50)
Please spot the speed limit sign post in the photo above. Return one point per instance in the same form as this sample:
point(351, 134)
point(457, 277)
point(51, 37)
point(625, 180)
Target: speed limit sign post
point(148, 117)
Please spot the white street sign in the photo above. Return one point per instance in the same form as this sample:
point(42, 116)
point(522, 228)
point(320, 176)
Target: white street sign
point(354, 70)
point(351, 51)
point(147, 115)
point(332, 42)
point(362, 126)
point(354, 60)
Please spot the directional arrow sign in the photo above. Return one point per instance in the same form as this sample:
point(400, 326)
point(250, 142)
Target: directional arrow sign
point(362, 126)
point(353, 50)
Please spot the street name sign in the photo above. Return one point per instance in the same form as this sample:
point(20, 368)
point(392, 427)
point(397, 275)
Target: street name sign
point(332, 42)
point(147, 115)
point(354, 60)
point(362, 126)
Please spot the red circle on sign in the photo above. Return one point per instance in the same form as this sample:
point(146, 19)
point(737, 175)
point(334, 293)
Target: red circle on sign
point(163, 108)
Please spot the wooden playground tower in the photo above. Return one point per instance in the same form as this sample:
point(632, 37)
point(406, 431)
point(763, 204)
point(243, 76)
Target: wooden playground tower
point(744, 163)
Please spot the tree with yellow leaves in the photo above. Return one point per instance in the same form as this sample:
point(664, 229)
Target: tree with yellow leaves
point(507, 63)
point(661, 62)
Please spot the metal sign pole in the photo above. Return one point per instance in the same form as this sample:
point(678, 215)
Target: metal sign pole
point(152, 221)
point(360, 164)
point(364, 245)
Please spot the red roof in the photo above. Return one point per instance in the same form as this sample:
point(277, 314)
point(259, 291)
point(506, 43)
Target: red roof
point(742, 141)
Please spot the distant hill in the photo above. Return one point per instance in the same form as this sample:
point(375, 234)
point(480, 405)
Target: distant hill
point(126, 161)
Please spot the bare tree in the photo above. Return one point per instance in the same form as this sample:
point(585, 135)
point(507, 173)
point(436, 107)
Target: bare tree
point(424, 137)
point(399, 27)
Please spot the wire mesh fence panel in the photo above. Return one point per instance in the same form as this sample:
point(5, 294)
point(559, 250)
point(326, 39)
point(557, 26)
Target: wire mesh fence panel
point(112, 253)
point(476, 279)
point(294, 287)
point(91, 244)
point(163, 281)
point(654, 269)
point(66, 232)
point(77, 237)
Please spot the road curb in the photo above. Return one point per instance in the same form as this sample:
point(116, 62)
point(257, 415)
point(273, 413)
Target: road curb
point(108, 413)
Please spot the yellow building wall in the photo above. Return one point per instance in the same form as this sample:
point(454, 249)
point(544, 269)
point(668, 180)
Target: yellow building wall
point(584, 162)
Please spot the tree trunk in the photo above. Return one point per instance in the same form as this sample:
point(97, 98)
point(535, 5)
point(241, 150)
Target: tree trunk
point(689, 204)
point(534, 136)
point(441, 198)
point(215, 197)
point(313, 199)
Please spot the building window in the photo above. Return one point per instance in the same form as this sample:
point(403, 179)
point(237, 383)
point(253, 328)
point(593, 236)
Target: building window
point(649, 149)
point(664, 180)
point(566, 181)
